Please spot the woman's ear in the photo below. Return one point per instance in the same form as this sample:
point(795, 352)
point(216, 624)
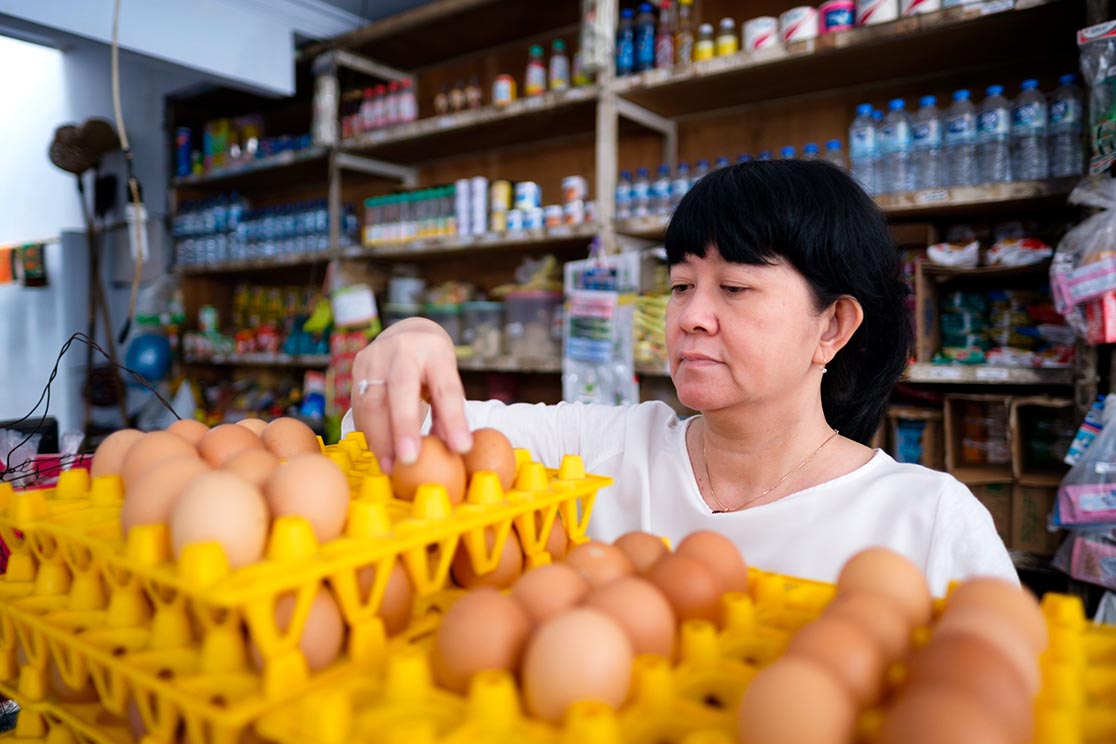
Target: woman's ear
point(841, 320)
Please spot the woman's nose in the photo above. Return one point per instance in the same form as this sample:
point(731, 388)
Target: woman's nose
point(698, 314)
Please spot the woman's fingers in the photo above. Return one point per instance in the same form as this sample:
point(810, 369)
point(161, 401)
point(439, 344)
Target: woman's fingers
point(403, 393)
point(447, 404)
point(370, 403)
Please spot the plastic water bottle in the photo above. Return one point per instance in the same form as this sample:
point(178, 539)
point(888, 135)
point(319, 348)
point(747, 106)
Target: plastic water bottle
point(625, 43)
point(722, 162)
point(680, 185)
point(660, 191)
point(700, 171)
point(834, 154)
point(788, 152)
point(811, 151)
point(862, 147)
point(1067, 158)
point(960, 141)
point(645, 39)
point(895, 149)
point(765, 155)
point(641, 194)
point(1028, 134)
point(994, 137)
point(743, 158)
point(624, 196)
point(926, 146)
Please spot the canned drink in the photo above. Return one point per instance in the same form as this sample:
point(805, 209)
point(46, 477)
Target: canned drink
point(554, 215)
point(527, 195)
point(503, 90)
point(871, 12)
point(461, 190)
point(182, 137)
point(498, 222)
point(534, 219)
point(478, 187)
point(909, 8)
point(574, 188)
point(515, 219)
point(575, 212)
point(837, 15)
point(761, 33)
point(500, 195)
point(799, 24)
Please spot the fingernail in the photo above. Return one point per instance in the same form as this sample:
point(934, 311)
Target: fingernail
point(407, 450)
point(461, 441)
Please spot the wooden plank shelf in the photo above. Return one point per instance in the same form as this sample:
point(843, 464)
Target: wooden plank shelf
point(292, 166)
point(526, 120)
point(955, 38)
point(554, 237)
point(257, 264)
point(984, 374)
point(300, 361)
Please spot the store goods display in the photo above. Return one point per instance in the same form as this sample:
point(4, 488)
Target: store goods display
point(1000, 141)
point(1083, 272)
point(265, 320)
point(1098, 49)
point(379, 107)
point(230, 144)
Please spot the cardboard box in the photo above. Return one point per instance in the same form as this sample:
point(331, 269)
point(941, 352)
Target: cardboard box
point(1030, 509)
point(1026, 413)
point(997, 498)
point(955, 440)
point(933, 454)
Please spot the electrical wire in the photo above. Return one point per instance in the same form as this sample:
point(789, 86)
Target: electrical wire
point(12, 473)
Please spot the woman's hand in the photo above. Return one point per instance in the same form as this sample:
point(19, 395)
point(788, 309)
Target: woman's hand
point(410, 364)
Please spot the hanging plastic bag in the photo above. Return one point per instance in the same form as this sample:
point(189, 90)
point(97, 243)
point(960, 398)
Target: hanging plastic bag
point(1083, 272)
point(1087, 495)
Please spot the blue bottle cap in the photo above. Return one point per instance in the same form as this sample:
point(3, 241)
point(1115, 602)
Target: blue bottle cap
point(961, 95)
point(811, 148)
point(765, 155)
point(683, 167)
point(833, 144)
point(928, 101)
point(787, 152)
point(896, 104)
point(642, 173)
point(626, 174)
point(722, 162)
point(664, 170)
point(1029, 85)
point(743, 158)
point(1067, 79)
point(995, 90)
point(645, 8)
point(627, 13)
point(864, 109)
point(703, 164)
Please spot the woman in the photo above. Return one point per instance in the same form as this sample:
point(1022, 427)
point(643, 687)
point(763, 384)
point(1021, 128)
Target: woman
point(786, 329)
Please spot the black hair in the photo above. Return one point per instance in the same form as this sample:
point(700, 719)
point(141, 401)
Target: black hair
point(816, 217)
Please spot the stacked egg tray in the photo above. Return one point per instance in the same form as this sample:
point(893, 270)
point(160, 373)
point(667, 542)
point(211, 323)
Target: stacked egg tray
point(49, 722)
point(172, 637)
point(690, 701)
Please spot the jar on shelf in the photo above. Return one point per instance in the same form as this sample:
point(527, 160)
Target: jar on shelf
point(447, 316)
point(483, 328)
point(534, 324)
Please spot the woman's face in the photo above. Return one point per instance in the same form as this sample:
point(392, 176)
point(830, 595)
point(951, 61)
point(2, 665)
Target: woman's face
point(740, 334)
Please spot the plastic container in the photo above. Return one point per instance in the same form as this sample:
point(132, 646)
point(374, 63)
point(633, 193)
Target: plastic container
point(534, 324)
point(406, 290)
point(447, 316)
point(395, 312)
point(483, 328)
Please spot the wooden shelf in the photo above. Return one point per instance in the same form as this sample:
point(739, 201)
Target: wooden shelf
point(418, 250)
point(302, 361)
point(525, 120)
point(941, 274)
point(510, 364)
point(952, 39)
point(983, 374)
point(257, 264)
point(292, 166)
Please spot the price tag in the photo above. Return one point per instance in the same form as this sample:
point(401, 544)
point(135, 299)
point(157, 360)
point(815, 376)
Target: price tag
point(944, 373)
point(995, 374)
point(933, 196)
point(996, 6)
point(1102, 468)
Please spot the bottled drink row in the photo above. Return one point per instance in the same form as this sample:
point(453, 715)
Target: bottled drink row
point(1030, 138)
point(224, 229)
point(643, 196)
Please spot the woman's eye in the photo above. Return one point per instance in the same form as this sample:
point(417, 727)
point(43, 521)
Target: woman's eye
point(679, 288)
point(733, 290)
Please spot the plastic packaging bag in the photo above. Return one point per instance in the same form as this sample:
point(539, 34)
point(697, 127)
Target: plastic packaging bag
point(1098, 65)
point(1087, 495)
point(1084, 267)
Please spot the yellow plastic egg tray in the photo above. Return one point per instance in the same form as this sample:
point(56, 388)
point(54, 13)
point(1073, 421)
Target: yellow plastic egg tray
point(692, 701)
point(173, 636)
point(46, 722)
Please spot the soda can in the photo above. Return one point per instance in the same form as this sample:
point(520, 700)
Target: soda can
point(515, 219)
point(554, 215)
point(182, 137)
point(527, 195)
point(498, 222)
point(908, 8)
point(761, 33)
point(574, 212)
point(837, 15)
point(574, 188)
point(501, 195)
point(534, 219)
point(871, 12)
point(799, 24)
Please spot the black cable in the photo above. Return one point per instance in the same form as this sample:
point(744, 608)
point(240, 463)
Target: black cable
point(84, 338)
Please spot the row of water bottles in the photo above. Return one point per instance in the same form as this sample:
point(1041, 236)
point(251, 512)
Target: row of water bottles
point(643, 196)
point(996, 142)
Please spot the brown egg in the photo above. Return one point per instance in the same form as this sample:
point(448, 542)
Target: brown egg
point(720, 555)
point(507, 570)
point(322, 634)
point(220, 507)
point(397, 605)
point(485, 629)
point(312, 487)
point(492, 451)
point(886, 572)
point(879, 617)
point(642, 611)
point(582, 654)
point(287, 437)
point(189, 429)
point(548, 590)
point(222, 442)
point(1016, 604)
point(153, 496)
point(643, 549)
point(599, 562)
point(557, 541)
point(937, 716)
point(847, 652)
point(252, 465)
point(771, 709)
point(436, 463)
point(154, 448)
point(254, 425)
point(109, 457)
point(691, 588)
point(970, 666)
point(991, 628)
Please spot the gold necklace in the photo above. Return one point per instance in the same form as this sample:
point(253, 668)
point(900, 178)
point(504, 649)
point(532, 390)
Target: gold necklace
point(713, 491)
